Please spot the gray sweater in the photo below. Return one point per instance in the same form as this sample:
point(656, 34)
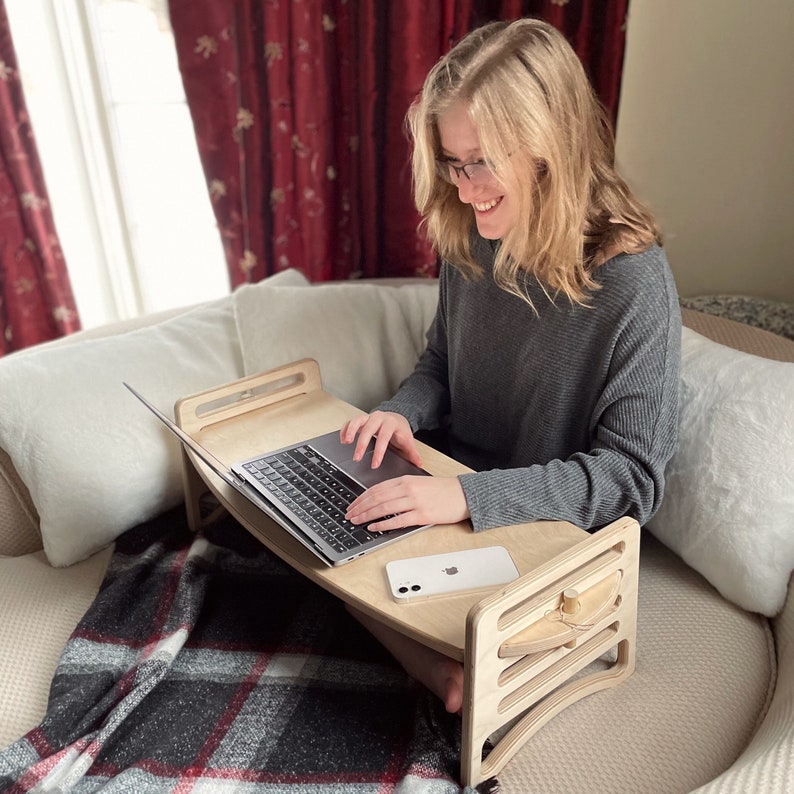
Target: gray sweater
point(570, 414)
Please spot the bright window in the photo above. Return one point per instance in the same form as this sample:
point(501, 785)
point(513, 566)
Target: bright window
point(118, 150)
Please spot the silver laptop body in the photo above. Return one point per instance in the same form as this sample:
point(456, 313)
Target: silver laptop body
point(306, 487)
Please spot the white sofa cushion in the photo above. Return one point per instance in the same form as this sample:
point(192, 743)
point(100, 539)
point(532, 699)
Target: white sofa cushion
point(728, 508)
point(365, 337)
point(95, 461)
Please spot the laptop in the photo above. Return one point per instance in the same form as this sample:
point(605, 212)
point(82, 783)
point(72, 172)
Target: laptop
point(306, 488)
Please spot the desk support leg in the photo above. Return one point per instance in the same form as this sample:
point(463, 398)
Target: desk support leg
point(195, 490)
point(527, 691)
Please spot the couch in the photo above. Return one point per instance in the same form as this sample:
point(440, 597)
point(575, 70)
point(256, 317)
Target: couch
point(710, 706)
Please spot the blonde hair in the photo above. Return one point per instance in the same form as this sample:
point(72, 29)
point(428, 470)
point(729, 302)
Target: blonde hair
point(547, 139)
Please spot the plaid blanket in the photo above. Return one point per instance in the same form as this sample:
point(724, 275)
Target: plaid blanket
point(207, 665)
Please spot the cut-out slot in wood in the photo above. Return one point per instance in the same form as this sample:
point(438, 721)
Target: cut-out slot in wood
point(581, 578)
point(248, 394)
point(557, 627)
point(601, 642)
point(271, 389)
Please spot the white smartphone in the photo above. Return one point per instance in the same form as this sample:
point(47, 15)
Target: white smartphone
point(451, 572)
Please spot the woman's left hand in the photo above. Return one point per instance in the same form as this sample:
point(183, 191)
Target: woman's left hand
point(410, 500)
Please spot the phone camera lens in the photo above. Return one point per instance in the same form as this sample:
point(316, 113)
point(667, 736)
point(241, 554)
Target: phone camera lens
point(403, 589)
point(416, 587)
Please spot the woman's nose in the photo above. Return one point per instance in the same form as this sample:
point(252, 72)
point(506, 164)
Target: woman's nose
point(467, 190)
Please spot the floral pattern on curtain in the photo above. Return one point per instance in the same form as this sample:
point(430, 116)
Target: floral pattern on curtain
point(298, 107)
point(36, 301)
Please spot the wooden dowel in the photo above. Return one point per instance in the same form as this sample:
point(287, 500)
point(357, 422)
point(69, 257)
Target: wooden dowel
point(570, 601)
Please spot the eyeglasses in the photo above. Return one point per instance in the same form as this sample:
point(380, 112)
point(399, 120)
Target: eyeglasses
point(478, 173)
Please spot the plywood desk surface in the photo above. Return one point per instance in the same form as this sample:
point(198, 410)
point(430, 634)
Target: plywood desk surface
point(438, 622)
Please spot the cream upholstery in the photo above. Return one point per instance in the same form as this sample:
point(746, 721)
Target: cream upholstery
point(39, 608)
point(19, 522)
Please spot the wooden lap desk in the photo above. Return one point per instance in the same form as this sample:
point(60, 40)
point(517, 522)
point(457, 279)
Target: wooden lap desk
point(520, 644)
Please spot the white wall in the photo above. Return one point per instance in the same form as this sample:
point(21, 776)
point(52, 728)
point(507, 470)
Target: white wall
point(705, 135)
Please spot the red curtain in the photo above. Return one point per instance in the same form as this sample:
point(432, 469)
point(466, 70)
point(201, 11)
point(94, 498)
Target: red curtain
point(298, 109)
point(36, 302)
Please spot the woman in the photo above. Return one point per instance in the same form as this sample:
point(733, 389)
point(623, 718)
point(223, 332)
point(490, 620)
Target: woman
point(552, 363)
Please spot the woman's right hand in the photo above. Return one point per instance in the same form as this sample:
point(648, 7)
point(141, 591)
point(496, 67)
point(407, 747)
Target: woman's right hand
point(387, 428)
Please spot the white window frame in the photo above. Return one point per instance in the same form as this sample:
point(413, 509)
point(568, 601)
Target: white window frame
point(76, 27)
point(68, 101)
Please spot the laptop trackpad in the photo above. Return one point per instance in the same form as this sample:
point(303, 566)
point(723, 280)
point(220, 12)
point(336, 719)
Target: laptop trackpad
point(392, 466)
point(342, 454)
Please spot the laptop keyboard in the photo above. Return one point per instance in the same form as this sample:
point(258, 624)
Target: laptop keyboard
point(316, 491)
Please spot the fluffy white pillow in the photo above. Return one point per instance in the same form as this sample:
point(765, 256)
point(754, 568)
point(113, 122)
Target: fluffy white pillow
point(365, 337)
point(95, 460)
point(728, 508)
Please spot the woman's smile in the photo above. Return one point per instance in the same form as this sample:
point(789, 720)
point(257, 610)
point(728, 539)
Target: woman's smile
point(486, 206)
